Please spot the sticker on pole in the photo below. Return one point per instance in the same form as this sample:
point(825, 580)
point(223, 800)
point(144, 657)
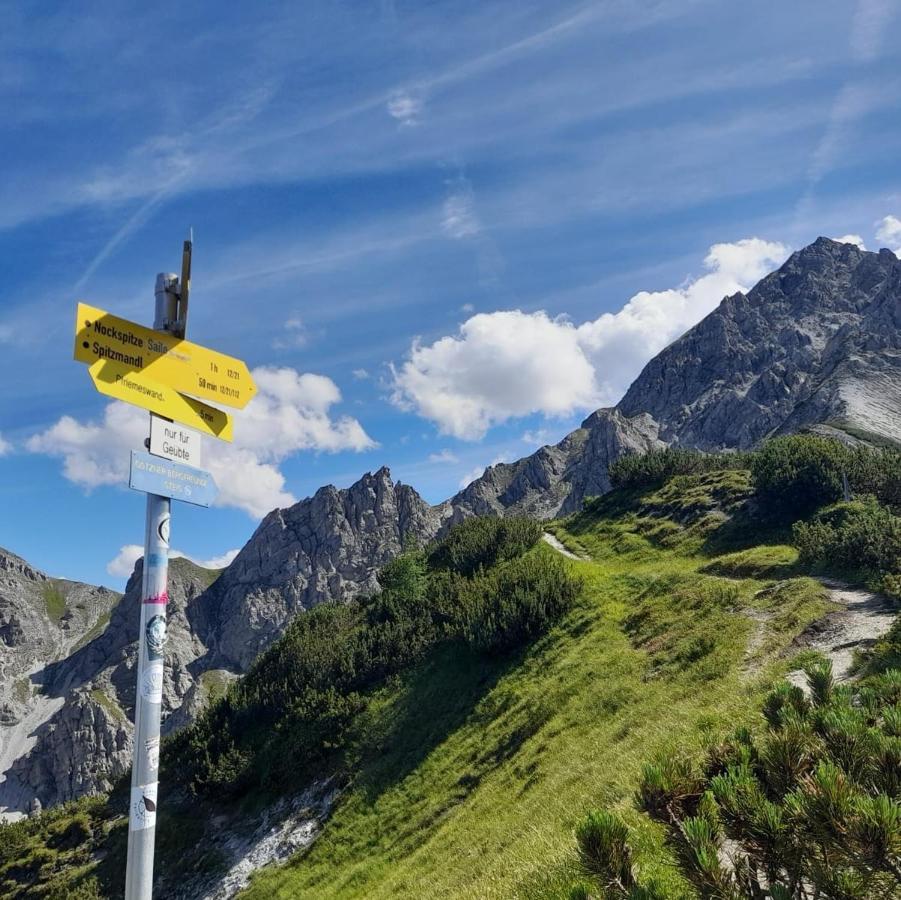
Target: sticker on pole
point(152, 683)
point(152, 751)
point(171, 479)
point(143, 807)
point(155, 635)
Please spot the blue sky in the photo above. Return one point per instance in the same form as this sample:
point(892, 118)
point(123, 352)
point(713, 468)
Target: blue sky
point(441, 232)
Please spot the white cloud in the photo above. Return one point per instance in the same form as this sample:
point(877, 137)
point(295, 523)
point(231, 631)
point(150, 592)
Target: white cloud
point(458, 215)
point(888, 233)
point(405, 107)
point(123, 563)
point(443, 456)
point(468, 308)
point(538, 438)
point(507, 364)
point(290, 413)
point(360, 374)
point(852, 239)
point(5, 446)
point(214, 562)
point(479, 471)
point(293, 335)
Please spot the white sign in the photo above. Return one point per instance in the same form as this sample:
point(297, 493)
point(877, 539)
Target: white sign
point(174, 441)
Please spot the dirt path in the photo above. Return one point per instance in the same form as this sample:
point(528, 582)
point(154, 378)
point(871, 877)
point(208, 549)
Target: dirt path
point(863, 617)
point(551, 541)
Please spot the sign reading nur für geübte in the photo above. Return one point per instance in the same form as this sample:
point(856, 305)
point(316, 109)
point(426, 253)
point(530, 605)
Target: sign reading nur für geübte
point(173, 441)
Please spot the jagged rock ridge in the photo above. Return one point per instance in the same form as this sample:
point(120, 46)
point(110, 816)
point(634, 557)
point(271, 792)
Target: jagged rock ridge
point(327, 547)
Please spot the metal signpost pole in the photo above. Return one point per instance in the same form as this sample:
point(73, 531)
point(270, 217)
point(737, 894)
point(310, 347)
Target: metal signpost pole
point(151, 641)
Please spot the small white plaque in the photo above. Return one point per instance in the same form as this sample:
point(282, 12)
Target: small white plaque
point(173, 441)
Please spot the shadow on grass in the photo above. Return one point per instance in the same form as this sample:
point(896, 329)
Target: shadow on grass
point(437, 698)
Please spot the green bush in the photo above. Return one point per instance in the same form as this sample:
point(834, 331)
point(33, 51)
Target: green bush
point(480, 543)
point(808, 809)
point(861, 535)
point(796, 475)
point(515, 603)
point(636, 470)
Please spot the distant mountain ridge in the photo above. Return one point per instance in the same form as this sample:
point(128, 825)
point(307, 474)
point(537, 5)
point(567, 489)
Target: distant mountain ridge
point(816, 344)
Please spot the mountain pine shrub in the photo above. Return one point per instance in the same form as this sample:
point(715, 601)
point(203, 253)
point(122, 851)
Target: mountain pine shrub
point(797, 474)
point(639, 470)
point(515, 603)
point(861, 535)
point(807, 809)
point(479, 543)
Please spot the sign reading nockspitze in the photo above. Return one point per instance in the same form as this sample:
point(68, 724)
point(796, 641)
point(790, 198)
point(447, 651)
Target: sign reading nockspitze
point(166, 359)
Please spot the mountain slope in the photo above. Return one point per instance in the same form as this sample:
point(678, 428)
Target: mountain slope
point(812, 344)
point(815, 345)
point(42, 619)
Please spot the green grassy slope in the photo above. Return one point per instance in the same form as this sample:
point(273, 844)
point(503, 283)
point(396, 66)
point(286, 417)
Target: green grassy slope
point(465, 770)
point(473, 773)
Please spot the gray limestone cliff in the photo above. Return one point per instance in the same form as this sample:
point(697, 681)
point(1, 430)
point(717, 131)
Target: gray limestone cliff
point(327, 547)
point(815, 344)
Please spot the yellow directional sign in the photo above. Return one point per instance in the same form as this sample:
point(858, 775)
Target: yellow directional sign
point(164, 358)
point(122, 382)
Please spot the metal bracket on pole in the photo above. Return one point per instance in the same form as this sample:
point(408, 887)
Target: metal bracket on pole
point(184, 287)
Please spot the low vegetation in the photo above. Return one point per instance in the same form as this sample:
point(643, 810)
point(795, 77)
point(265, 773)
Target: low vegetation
point(309, 689)
point(506, 723)
point(54, 601)
point(803, 805)
point(52, 855)
point(860, 536)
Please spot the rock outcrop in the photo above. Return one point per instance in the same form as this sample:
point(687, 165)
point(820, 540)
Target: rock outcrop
point(327, 547)
point(556, 479)
point(816, 343)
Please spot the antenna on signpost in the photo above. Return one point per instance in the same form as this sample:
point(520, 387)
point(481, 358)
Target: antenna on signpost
point(184, 286)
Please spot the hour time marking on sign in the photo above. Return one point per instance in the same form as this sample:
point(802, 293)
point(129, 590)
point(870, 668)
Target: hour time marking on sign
point(177, 363)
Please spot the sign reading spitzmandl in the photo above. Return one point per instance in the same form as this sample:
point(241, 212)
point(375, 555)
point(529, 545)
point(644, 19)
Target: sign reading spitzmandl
point(171, 479)
point(174, 441)
point(177, 363)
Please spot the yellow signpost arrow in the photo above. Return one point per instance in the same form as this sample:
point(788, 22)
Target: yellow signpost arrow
point(165, 359)
point(122, 382)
